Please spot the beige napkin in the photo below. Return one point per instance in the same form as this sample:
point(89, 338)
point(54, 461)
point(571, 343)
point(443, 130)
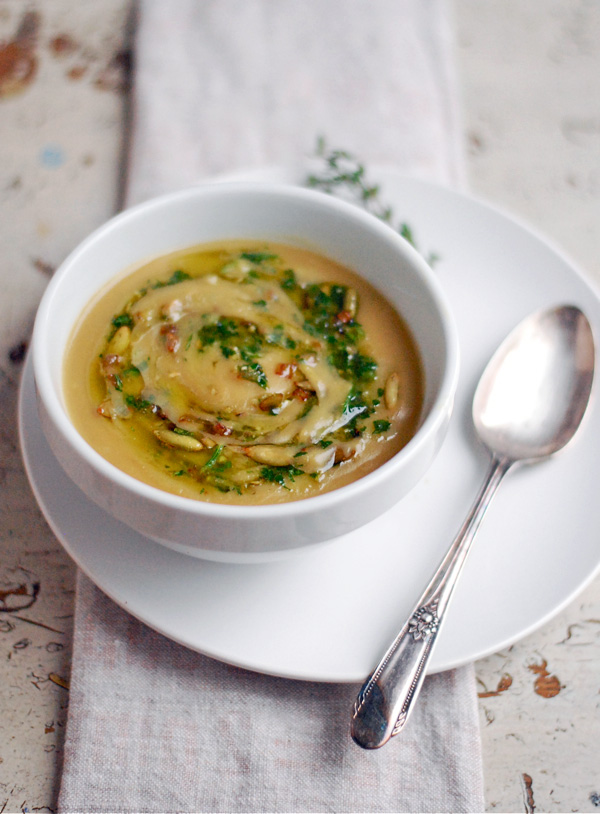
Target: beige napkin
point(154, 727)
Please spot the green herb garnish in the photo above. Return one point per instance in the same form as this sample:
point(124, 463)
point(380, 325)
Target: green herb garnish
point(258, 257)
point(213, 458)
point(343, 174)
point(180, 431)
point(253, 372)
point(122, 319)
point(177, 277)
point(138, 403)
point(278, 474)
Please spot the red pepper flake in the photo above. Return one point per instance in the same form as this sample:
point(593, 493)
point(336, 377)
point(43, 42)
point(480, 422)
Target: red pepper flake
point(221, 429)
point(110, 368)
point(301, 393)
point(187, 419)
point(344, 317)
point(286, 370)
point(171, 339)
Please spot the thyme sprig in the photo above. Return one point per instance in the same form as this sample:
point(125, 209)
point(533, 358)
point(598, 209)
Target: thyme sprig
point(343, 174)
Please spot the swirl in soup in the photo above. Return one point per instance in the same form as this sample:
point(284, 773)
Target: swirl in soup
point(244, 374)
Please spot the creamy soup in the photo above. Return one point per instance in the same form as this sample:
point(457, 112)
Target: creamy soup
point(243, 374)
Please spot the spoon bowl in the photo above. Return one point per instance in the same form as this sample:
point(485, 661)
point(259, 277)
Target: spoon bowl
point(528, 405)
point(535, 389)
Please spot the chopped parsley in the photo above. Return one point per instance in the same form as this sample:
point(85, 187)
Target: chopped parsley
point(213, 458)
point(122, 319)
point(253, 372)
point(280, 474)
point(177, 277)
point(258, 257)
point(138, 403)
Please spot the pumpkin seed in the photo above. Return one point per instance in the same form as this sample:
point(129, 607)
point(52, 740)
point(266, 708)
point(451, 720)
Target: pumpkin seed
point(272, 454)
point(174, 439)
point(271, 402)
point(119, 341)
point(391, 391)
point(351, 302)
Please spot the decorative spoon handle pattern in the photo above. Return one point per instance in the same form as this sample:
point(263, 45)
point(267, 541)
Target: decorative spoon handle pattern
point(387, 697)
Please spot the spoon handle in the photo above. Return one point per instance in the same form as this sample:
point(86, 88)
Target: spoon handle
point(389, 693)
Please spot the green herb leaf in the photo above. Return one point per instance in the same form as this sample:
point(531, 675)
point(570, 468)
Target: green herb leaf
point(180, 431)
point(177, 277)
point(278, 474)
point(258, 257)
point(213, 458)
point(138, 403)
point(253, 372)
point(343, 173)
point(122, 319)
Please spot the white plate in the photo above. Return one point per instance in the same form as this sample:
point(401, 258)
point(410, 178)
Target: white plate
point(329, 613)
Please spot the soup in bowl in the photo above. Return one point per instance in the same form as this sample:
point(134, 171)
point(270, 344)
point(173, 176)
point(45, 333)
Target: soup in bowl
point(241, 370)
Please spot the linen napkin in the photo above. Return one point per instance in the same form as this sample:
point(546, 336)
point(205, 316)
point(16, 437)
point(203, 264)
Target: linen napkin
point(153, 726)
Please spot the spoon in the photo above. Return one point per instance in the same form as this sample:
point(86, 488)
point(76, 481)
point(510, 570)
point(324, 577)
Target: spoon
point(528, 404)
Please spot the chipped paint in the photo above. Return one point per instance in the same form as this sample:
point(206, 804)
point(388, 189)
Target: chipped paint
point(545, 684)
point(115, 76)
point(16, 354)
point(576, 633)
point(489, 716)
point(43, 266)
point(527, 786)
point(504, 683)
point(19, 589)
point(37, 624)
point(18, 58)
point(62, 45)
point(59, 680)
point(52, 156)
point(77, 72)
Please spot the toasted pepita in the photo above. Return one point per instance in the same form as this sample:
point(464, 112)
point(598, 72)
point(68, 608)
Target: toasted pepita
point(351, 302)
point(271, 402)
point(271, 454)
point(392, 391)
point(119, 341)
point(174, 439)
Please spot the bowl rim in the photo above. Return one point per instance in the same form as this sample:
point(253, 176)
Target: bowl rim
point(52, 401)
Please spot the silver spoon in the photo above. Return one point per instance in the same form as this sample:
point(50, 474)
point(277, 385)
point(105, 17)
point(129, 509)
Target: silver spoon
point(528, 404)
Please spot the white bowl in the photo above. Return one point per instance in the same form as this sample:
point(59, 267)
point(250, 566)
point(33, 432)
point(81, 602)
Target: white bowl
point(282, 214)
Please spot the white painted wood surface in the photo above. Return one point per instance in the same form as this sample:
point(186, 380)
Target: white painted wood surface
point(530, 76)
